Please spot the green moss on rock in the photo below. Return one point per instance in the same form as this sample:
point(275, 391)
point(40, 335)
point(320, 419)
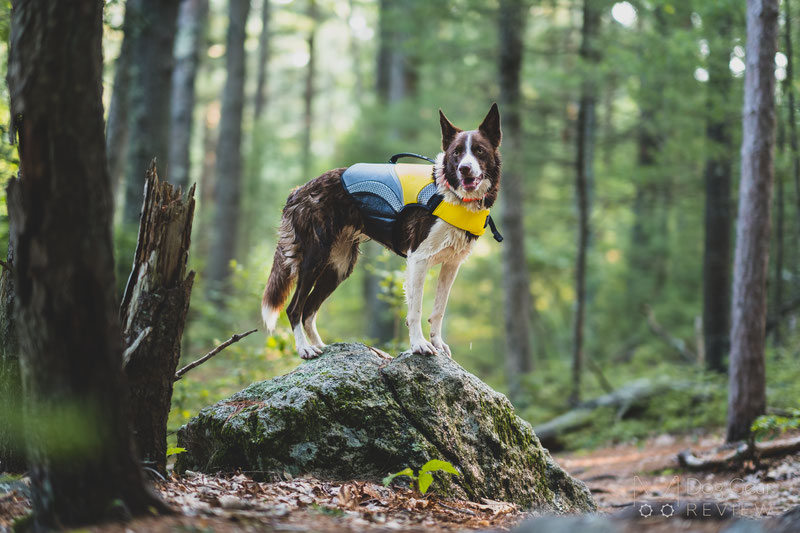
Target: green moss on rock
point(351, 414)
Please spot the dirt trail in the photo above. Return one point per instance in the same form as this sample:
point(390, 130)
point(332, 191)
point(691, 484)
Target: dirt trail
point(620, 475)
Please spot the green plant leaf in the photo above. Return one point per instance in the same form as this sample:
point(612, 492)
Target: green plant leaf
point(174, 450)
point(424, 481)
point(435, 464)
point(405, 472)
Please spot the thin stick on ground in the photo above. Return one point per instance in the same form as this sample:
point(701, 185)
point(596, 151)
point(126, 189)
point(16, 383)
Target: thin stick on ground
point(235, 338)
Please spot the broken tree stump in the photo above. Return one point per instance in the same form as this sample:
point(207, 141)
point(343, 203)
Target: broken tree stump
point(153, 312)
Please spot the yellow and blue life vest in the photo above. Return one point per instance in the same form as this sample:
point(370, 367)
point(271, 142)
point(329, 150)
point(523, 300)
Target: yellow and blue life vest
point(383, 190)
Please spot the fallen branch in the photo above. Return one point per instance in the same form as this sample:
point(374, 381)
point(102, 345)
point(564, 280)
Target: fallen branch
point(675, 343)
point(235, 338)
point(6, 266)
point(741, 453)
point(623, 399)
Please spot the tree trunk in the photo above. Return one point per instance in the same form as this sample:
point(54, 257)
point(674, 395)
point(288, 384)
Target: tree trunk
point(584, 182)
point(153, 313)
point(189, 43)
point(229, 150)
point(12, 450)
point(649, 250)
point(392, 87)
point(718, 208)
point(793, 141)
point(746, 390)
point(263, 61)
point(152, 35)
point(511, 27)
point(308, 93)
point(83, 467)
point(117, 126)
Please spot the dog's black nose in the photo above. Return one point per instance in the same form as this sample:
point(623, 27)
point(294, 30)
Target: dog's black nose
point(465, 169)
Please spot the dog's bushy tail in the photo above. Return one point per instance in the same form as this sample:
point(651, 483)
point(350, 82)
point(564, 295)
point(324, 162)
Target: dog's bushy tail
point(282, 277)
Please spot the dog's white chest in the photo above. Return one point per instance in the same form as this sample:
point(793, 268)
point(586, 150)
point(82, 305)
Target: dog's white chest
point(444, 243)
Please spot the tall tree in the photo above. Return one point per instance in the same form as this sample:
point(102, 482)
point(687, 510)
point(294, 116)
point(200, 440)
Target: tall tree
point(229, 148)
point(718, 208)
point(117, 126)
point(746, 390)
point(151, 30)
point(189, 43)
point(308, 92)
point(394, 85)
point(12, 456)
point(82, 463)
point(263, 60)
point(584, 179)
point(511, 21)
point(649, 251)
point(794, 149)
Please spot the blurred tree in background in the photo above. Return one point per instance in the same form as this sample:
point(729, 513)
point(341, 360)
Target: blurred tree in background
point(644, 104)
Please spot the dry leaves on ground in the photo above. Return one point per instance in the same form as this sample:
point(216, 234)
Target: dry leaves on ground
point(355, 504)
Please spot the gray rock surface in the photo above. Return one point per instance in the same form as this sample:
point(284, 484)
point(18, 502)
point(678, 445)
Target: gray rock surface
point(352, 414)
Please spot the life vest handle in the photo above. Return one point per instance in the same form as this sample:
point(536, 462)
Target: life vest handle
point(395, 157)
point(495, 233)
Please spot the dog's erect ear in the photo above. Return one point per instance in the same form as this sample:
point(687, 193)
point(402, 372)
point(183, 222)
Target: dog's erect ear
point(448, 130)
point(490, 126)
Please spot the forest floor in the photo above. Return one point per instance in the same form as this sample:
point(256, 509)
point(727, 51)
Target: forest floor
point(617, 476)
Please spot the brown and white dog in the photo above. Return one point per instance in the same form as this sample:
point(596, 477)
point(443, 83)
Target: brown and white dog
point(322, 227)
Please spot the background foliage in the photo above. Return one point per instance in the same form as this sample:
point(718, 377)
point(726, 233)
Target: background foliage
point(654, 58)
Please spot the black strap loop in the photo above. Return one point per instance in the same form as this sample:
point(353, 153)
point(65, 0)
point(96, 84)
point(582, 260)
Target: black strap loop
point(395, 157)
point(495, 233)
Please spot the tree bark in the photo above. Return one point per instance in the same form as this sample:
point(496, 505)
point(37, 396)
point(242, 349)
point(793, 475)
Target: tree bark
point(153, 313)
point(117, 125)
point(746, 390)
point(308, 93)
point(229, 150)
point(83, 467)
point(152, 34)
point(791, 111)
point(189, 44)
point(392, 86)
point(718, 208)
point(511, 26)
point(263, 60)
point(584, 182)
point(649, 250)
point(794, 150)
point(12, 450)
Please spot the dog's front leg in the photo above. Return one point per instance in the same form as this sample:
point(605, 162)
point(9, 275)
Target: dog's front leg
point(446, 277)
point(416, 269)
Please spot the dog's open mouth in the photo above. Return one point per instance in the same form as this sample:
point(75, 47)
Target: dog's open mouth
point(470, 183)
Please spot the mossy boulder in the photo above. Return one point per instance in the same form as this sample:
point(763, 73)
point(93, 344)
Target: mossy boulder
point(352, 414)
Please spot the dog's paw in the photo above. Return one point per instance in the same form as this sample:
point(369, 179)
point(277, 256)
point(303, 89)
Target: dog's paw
point(423, 347)
point(309, 352)
point(442, 347)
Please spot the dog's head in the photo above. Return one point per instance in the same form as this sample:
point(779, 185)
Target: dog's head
point(468, 170)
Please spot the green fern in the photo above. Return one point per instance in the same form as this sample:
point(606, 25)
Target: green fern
point(424, 477)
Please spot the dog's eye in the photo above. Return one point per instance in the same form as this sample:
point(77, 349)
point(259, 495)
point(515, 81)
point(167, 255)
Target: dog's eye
point(457, 151)
point(478, 150)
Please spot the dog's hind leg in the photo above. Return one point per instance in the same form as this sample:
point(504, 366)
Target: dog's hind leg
point(310, 271)
point(341, 263)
